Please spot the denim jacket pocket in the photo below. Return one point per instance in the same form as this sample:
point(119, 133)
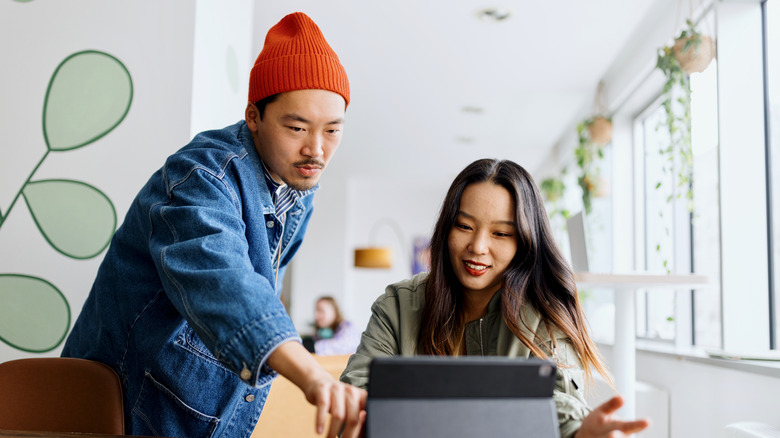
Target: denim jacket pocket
point(159, 412)
point(189, 341)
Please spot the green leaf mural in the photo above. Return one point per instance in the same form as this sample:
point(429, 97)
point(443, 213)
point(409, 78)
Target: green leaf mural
point(34, 315)
point(88, 96)
point(77, 219)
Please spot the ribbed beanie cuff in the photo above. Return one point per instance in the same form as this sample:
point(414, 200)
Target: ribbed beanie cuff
point(296, 56)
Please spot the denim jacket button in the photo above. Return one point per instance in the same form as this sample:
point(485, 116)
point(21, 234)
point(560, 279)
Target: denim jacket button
point(269, 224)
point(246, 374)
point(250, 398)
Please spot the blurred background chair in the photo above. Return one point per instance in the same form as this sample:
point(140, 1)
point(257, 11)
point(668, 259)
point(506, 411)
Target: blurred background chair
point(286, 412)
point(58, 394)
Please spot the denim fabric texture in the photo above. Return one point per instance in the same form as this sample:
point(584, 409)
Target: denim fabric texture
point(184, 306)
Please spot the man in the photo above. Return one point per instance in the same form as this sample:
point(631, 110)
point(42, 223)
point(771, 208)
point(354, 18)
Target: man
point(185, 306)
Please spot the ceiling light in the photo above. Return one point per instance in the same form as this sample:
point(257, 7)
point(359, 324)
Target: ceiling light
point(471, 109)
point(493, 14)
point(465, 139)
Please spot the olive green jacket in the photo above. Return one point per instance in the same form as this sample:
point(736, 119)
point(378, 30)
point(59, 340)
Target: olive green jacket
point(393, 328)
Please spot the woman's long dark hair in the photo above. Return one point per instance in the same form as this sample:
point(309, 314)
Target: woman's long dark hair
point(538, 275)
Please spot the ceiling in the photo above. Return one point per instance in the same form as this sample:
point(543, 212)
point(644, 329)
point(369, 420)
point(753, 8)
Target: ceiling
point(434, 86)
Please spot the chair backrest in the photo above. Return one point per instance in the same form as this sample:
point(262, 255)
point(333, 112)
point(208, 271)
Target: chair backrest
point(286, 412)
point(58, 394)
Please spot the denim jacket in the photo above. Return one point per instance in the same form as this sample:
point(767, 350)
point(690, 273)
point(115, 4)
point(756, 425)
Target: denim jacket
point(185, 306)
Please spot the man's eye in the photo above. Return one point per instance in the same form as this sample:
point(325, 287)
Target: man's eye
point(295, 129)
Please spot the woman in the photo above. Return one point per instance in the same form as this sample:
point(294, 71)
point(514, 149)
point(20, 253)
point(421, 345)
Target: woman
point(334, 335)
point(498, 285)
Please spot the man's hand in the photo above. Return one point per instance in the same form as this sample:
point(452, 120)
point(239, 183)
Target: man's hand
point(345, 403)
point(600, 423)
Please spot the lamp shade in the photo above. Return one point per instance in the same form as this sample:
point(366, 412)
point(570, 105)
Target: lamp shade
point(374, 257)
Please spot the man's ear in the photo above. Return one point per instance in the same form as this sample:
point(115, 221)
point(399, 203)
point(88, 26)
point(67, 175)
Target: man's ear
point(251, 115)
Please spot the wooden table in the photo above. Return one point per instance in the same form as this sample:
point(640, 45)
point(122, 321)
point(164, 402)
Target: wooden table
point(624, 350)
point(31, 434)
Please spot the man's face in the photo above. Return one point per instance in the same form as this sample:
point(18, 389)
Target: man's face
point(298, 134)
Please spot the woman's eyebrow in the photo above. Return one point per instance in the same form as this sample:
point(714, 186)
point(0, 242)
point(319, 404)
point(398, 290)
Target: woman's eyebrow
point(468, 216)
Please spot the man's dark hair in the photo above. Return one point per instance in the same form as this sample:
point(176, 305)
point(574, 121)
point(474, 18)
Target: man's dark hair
point(261, 104)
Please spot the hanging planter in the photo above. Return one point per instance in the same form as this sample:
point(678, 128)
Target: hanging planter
point(553, 189)
point(600, 129)
point(588, 155)
point(693, 51)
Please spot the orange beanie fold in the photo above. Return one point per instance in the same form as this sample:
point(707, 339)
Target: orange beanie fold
point(296, 56)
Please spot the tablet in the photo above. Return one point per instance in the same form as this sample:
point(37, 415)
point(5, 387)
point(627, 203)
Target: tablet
point(450, 397)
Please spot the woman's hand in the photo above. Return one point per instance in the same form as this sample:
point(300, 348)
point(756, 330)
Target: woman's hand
point(600, 423)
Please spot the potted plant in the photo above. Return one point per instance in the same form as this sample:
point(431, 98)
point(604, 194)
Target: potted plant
point(600, 129)
point(691, 52)
point(588, 154)
point(552, 190)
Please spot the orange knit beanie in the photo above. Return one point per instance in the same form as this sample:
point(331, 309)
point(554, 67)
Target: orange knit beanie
point(296, 57)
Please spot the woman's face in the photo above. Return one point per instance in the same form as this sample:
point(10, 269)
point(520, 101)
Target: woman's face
point(483, 240)
point(324, 314)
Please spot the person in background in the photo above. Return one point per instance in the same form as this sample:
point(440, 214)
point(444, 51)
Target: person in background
point(185, 306)
point(498, 286)
point(333, 334)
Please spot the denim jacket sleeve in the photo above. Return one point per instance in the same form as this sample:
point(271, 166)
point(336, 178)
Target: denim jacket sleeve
point(213, 276)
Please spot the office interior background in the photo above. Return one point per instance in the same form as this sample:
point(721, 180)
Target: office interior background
point(435, 85)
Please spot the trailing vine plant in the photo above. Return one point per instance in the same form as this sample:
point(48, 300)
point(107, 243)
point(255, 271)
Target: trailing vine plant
point(691, 52)
point(588, 154)
point(676, 102)
point(553, 189)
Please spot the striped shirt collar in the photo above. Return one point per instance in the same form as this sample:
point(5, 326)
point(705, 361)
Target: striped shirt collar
point(283, 196)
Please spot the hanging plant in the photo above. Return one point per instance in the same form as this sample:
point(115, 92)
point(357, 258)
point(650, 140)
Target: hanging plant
point(552, 190)
point(588, 154)
point(600, 129)
point(691, 52)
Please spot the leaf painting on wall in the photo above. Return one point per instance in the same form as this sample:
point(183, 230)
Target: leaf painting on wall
point(89, 95)
point(77, 219)
point(34, 315)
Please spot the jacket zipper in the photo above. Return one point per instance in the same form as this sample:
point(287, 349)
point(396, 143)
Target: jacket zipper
point(481, 347)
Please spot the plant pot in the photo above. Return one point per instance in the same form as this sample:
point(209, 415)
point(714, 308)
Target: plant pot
point(603, 188)
point(600, 130)
point(694, 59)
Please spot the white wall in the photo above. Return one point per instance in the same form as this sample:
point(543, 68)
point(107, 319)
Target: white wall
point(37, 36)
point(223, 57)
point(704, 397)
point(345, 215)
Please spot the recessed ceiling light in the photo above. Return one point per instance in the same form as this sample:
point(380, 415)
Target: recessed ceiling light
point(472, 109)
point(493, 14)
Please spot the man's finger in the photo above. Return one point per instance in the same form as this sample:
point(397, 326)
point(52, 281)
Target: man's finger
point(337, 410)
point(352, 415)
point(323, 407)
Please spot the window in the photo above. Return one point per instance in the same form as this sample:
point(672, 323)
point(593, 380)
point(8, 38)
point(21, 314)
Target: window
point(772, 44)
point(671, 237)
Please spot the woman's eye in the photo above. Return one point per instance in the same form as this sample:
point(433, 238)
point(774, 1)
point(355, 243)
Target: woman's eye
point(501, 234)
point(463, 226)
